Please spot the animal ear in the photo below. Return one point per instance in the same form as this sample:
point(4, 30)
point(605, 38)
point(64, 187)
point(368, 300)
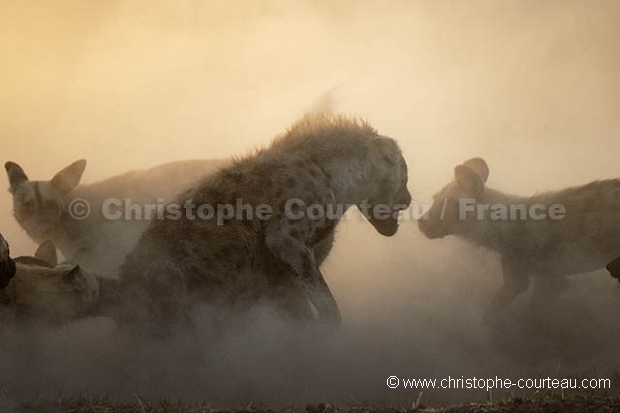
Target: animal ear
point(16, 175)
point(69, 178)
point(389, 149)
point(5, 252)
point(479, 166)
point(47, 252)
point(74, 279)
point(468, 180)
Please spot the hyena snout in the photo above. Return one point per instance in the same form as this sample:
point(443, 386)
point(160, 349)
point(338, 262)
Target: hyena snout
point(428, 229)
point(432, 227)
point(441, 219)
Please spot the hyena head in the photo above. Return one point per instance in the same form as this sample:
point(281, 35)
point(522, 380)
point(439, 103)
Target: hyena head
point(443, 217)
point(38, 205)
point(7, 265)
point(389, 194)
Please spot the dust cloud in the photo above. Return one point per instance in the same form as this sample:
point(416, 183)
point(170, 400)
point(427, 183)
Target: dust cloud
point(532, 87)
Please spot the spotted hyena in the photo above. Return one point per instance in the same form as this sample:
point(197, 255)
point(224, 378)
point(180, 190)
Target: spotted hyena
point(547, 236)
point(42, 291)
point(324, 162)
point(44, 208)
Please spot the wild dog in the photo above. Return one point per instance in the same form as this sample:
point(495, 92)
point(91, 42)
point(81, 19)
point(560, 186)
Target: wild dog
point(44, 208)
point(42, 292)
point(323, 161)
point(547, 236)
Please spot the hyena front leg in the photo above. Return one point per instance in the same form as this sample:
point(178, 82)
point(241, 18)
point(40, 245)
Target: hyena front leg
point(516, 281)
point(322, 249)
point(304, 270)
point(292, 305)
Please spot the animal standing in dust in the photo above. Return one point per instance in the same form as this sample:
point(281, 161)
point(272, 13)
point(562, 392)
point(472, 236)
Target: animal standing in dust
point(578, 231)
point(43, 292)
point(87, 237)
point(324, 162)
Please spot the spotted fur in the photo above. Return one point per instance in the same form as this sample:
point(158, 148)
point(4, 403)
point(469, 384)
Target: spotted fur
point(322, 160)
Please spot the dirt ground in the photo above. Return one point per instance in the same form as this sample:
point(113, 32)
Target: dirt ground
point(542, 404)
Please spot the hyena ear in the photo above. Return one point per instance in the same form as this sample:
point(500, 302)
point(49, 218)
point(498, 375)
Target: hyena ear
point(468, 180)
point(16, 175)
point(47, 252)
point(67, 179)
point(479, 166)
point(389, 149)
point(74, 279)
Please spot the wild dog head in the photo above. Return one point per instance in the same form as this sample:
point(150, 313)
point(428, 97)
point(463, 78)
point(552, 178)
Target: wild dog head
point(45, 291)
point(38, 205)
point(390, 194)
point(443, 217)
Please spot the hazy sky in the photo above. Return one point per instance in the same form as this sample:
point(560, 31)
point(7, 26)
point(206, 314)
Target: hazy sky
point(532, 86)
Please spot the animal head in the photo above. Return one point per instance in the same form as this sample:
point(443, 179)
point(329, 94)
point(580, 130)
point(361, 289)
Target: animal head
point(46, 291)
point(38, 205)
point(7, 265)
point(60, 293)
point(443, 217)
point(389, 195)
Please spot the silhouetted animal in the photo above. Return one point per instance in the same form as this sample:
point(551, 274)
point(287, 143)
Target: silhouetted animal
point(42, 291)
point(547, 236)
point(89, 238)
point(322, 162)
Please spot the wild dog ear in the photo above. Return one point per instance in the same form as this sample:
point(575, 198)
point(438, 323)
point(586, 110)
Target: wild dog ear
point(389, 149)
point(47, 252)
point(468, 180)
point(74, 279)
point(16, 175)
point(69, 178)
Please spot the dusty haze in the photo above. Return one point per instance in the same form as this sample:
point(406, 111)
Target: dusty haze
point(531, 86)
